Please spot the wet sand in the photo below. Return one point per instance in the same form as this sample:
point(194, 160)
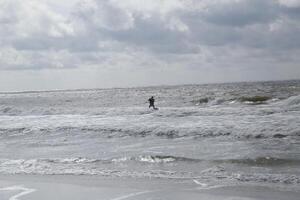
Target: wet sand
point(69, 187)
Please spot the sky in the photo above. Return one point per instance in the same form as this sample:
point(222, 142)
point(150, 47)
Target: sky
point(72, 44)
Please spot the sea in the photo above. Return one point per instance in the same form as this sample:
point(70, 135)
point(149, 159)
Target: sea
point(213, 134)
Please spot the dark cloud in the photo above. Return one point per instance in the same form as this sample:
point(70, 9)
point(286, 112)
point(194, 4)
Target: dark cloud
point(242, 13)
point(293, 12)
point(133, 35)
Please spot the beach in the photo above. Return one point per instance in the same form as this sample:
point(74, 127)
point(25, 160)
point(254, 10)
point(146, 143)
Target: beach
point(92, 188)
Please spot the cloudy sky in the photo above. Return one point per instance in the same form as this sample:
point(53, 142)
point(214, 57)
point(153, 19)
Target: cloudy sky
point(68, 44)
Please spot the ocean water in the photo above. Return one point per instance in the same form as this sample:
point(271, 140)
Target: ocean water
point(217, 134)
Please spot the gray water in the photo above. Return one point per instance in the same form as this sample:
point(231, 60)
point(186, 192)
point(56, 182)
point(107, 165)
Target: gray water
point(219, 134)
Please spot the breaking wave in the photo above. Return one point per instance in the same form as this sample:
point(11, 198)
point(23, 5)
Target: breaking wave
point(255, 99)
point(293, 101)
point(109, 167)
point(250, 100)
point(150, 159)
point(160, 132)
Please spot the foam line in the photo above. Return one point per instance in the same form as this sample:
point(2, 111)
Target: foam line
point(24, 191)
point(199, 183)
point(130, 195)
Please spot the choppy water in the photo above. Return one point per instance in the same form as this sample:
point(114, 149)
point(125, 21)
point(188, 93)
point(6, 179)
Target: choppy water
point(243, 133)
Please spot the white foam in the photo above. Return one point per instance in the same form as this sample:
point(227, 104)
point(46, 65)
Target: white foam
point(204, 186)
point(24, 191)
point(199, 183)
point(154, 159)
point(130, 195)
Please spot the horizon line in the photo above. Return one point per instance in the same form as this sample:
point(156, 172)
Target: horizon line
point(146, 86)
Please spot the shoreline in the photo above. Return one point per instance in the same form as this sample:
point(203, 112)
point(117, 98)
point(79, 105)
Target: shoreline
point(70, 187)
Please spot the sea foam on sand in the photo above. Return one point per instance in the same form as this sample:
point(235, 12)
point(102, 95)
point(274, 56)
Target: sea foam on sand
point(21, 191)
point(69, 187)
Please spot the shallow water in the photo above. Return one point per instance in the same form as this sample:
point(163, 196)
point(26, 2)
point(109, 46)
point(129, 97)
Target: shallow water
point(242, 133)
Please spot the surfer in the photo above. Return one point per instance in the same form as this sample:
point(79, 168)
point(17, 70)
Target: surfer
point(151, 102)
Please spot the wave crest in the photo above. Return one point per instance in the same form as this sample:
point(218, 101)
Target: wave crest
point(85, 166)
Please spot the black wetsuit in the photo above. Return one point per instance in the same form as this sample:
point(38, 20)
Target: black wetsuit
point(151, 102)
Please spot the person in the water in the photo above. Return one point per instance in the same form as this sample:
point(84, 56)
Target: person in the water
point(151, 102)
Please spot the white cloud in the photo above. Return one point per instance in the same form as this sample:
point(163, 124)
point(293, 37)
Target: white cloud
point(34, 17)
point(105, 15)
point(290, 3)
